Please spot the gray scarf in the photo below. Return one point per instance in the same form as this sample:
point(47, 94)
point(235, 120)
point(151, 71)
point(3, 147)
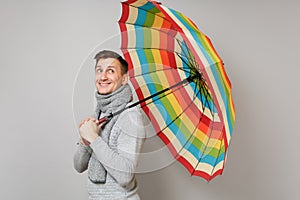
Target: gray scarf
point(107, 104)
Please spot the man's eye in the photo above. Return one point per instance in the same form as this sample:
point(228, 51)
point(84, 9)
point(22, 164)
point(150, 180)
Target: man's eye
point(111, 71)
point(99, 71)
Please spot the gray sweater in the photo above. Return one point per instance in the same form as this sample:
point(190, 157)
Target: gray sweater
point(119, 157)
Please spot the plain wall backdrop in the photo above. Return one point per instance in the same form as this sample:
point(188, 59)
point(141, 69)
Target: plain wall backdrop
point(43, 46)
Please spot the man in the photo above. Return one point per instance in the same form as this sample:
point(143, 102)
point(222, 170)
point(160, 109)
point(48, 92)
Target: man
point(109, 150)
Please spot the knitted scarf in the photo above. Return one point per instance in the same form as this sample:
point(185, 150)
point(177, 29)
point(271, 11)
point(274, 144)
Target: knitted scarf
point(107, 104)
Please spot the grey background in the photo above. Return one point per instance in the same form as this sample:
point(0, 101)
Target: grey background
point(44, 46)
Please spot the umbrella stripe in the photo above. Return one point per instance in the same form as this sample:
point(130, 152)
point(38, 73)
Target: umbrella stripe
point(217, 88)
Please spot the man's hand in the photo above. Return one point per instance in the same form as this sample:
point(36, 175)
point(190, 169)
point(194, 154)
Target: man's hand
point(88, 130)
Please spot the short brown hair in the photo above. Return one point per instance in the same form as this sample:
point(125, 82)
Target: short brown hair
point(111, 54)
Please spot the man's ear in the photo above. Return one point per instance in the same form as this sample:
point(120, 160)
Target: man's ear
point(124, 79)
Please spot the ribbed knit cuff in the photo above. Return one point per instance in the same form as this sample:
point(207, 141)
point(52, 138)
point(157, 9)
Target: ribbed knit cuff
point(83, 147)
point(98, 142)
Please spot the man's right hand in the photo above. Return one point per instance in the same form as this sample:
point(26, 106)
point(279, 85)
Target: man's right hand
point(82, 140)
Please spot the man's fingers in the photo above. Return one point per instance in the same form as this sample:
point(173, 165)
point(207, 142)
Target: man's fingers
point(86, 120)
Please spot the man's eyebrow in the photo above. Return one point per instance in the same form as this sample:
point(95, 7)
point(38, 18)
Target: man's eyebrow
point(110, 66)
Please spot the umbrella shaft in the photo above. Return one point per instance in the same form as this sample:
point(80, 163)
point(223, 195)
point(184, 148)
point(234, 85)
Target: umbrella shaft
point(187, 80)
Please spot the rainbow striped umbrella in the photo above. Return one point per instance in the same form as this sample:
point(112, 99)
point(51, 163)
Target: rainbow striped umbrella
point(181, 83)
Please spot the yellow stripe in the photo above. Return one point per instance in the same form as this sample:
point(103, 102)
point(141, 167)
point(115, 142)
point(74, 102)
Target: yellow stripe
point(157, 57)
point(131, 36)
point(139, 3)
point(133, 15)
point(158, 21)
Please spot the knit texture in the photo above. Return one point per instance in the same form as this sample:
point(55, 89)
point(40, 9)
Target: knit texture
point(107, 104)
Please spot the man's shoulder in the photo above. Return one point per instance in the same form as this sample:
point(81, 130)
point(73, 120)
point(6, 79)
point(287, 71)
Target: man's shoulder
point(133, 112)
point(131, 117)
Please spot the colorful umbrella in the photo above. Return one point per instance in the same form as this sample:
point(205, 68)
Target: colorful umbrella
point(181, 83)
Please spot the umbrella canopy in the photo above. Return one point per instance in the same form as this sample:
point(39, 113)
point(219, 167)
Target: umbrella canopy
point(181, 83)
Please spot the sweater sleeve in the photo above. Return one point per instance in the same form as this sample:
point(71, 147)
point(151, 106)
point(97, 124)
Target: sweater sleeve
point(81, 157)
point(121, 163)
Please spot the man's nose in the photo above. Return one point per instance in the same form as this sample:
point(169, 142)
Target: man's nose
point(103, 76)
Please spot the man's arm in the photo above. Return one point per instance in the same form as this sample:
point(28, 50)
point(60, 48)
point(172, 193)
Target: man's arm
point(81, 157)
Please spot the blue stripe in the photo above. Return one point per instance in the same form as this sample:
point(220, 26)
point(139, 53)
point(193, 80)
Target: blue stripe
point(140, 41)
point(194, 35)
point(147, 6)
point(141, 17)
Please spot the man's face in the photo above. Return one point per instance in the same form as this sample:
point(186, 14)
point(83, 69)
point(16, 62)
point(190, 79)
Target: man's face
point(108, 75)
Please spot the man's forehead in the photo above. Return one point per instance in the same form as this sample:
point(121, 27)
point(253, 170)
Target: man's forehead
point(108, 62)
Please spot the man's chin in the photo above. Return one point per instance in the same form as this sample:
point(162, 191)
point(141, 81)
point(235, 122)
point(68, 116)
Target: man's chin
point(103, 92)
point(103, 89)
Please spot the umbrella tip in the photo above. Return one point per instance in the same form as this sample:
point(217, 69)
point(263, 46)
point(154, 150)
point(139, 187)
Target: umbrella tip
point(158, 2)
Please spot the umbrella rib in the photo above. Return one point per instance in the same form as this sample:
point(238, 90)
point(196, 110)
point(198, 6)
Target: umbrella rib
point(179, 114)
point(150, 72)
point(178, 88)
point(153, 48)
point(202, 84)
point(179, 55)
point(163, 18)
point(148, 48)
point(209, 137)
point(148, 27)
point(190, 57)
point(188, 140)
point(187, 80)
point(219, 151)
point(203, 108)
point(202, 88)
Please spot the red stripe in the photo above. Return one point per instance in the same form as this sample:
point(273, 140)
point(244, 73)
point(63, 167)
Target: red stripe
point(129, 2)
point(124, 36)
point(207, 176)
point(125, 12)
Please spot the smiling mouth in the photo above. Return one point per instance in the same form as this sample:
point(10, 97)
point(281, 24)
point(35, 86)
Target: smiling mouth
point(103, 84)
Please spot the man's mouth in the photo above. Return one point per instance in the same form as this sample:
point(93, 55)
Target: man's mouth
point(104, 84)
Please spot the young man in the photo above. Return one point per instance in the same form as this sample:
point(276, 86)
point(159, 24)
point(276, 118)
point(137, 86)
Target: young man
point(109, 150)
